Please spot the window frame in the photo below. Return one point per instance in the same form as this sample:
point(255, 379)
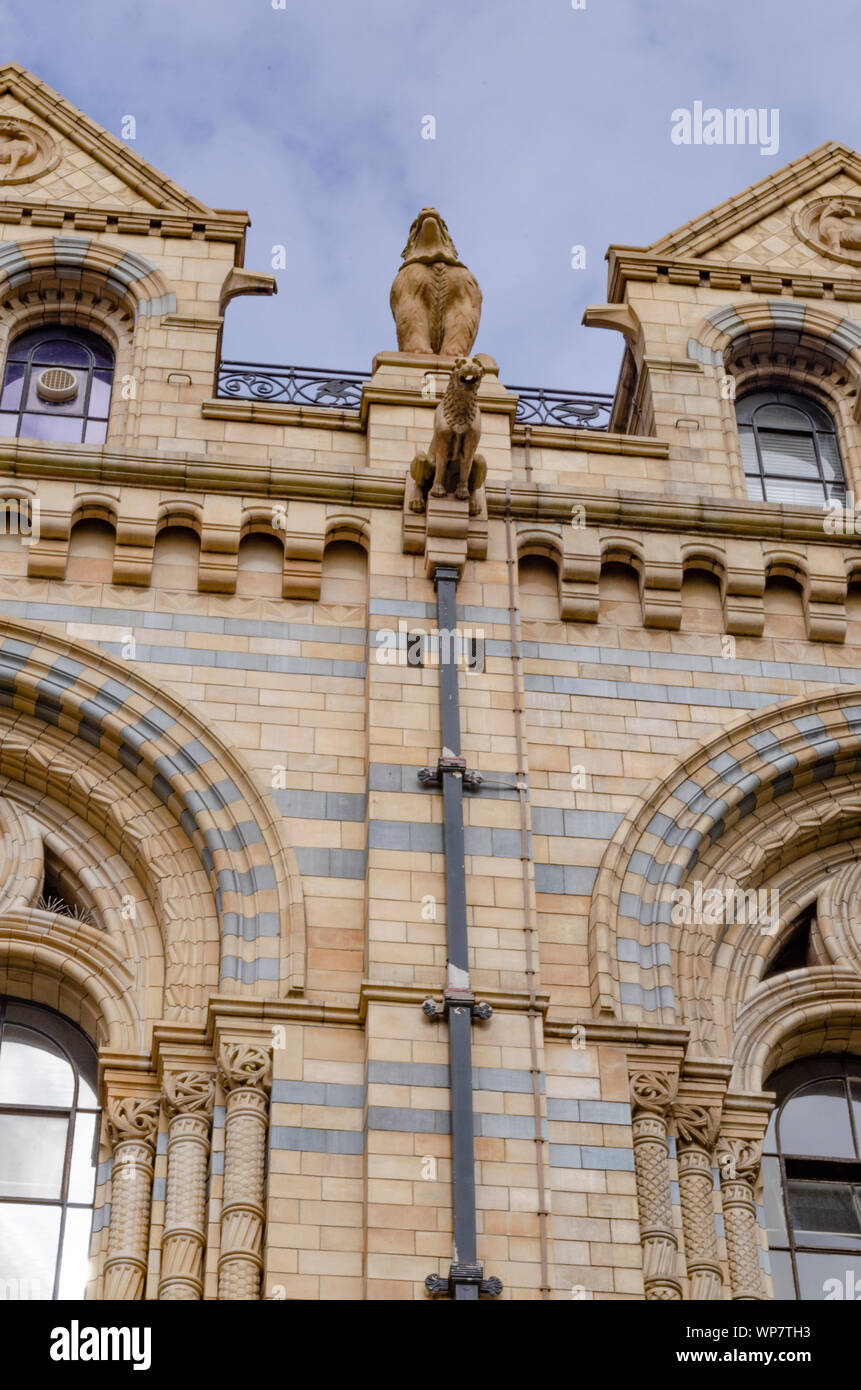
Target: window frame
point(789, 1082)
point(80, 1053)
point(83, 338)
point(791, 399)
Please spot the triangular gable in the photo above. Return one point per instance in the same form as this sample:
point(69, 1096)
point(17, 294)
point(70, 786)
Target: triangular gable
point(768, 219)
point(50, 152)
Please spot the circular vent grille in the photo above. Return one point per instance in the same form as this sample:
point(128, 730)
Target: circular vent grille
point(56, 384)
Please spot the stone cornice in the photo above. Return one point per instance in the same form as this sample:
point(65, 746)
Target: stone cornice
point(25, 460)
point(646, 511)
point(220, 226)
point(628, 263)
point(625, 1034)
point(231, 1013)
point(588, 441)
point(271, 413)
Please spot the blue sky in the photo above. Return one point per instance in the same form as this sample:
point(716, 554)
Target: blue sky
point(552, 130)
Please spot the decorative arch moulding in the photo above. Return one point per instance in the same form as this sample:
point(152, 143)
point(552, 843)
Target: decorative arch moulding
point(697, 826)
point(84, 728)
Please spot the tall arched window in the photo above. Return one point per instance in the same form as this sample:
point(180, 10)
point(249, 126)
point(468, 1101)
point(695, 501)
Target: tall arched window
point(57, 386)
point(49, 1133)
point(789, 448)
point(811, 1172)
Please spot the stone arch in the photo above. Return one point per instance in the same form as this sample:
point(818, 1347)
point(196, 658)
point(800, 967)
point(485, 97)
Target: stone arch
point(799, 1014)
point(76, 970)
point(343, 527)
point(739, 809)
point(81, 730)
point(94, 284)
point(125, 275)
point(812, 350)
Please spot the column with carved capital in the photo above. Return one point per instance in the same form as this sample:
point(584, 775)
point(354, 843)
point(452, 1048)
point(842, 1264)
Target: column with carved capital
point(245, 1070)
point(696, 1131)
point(190, 1096)
point(652, 1095)
point(133, 1127)
point(739, 1160)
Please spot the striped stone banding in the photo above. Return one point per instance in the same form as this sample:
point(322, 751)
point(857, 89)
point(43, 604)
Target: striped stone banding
point(185, 767)
point(125, 273)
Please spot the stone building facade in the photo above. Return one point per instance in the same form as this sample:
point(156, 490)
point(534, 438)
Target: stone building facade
point(419, 968)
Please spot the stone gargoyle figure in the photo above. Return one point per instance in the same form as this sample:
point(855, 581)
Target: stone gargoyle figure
point(840, 226)
point(451, 464)
point(435, 300)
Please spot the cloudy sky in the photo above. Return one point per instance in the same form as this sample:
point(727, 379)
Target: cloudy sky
point(552, 130)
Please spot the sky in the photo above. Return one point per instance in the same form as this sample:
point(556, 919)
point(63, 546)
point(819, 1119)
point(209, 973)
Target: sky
point(552, 125)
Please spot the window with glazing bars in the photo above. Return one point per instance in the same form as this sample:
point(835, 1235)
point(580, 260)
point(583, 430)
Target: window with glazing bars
point(789, 448)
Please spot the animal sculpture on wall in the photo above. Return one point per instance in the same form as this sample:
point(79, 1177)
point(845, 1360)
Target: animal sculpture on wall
point(17, 147)
point(840, 225)
point(451, 464)
point(435, 300)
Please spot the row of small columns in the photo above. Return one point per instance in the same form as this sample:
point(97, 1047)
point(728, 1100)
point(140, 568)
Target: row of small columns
point(187, 1092)
point(711, 1127)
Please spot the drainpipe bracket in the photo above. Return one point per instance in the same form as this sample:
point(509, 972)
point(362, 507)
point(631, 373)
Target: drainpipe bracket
point(456, 767)
point(457, 998)
point(472, 1274)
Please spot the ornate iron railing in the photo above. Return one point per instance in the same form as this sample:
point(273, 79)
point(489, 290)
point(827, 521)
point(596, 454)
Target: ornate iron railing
point(573, 410)
point(259, 381)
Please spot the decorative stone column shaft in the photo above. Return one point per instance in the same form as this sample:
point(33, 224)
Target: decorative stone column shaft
point(133, 1127)
point(739, 1160)
point(652, 1095)
point(246, 1075)
point(190, 1096)
point(696, 1131)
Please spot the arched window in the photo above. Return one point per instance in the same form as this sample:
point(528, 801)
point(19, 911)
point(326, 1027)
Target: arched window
point(49, 1133)
point(57, 386)
point(789, 448)
point(811, 1172)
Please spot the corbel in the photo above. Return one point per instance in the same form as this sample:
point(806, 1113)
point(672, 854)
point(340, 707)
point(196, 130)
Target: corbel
point(825, 594)
point(579, 574)
point(48, 555)
point(135, 536)
point(743, 609)
point(220, 531)
point(304, 543)
point(661, 584)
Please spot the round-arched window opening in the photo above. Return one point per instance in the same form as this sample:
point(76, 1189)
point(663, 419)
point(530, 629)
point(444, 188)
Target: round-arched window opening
point(789, 449)
point(811, 1172)
point(49, 1136)
point(57, 386)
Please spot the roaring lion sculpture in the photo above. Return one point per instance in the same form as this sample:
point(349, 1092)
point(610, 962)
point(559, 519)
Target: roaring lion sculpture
point(451, 464)
point(435, 300)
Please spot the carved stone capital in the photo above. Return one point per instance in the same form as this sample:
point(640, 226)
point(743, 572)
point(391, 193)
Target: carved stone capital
point(132, 1118)
point(739, 1161)
point(189, 1093)
point(697, 1124)
point(653, 1092)
point(242, 1064)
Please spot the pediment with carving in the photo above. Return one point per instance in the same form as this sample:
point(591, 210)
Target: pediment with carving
point(832, 226)
point(26, 151)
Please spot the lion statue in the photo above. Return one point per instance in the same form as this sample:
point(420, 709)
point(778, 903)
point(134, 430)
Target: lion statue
point(451, 464)
point(840, 226)
point(435, 300)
